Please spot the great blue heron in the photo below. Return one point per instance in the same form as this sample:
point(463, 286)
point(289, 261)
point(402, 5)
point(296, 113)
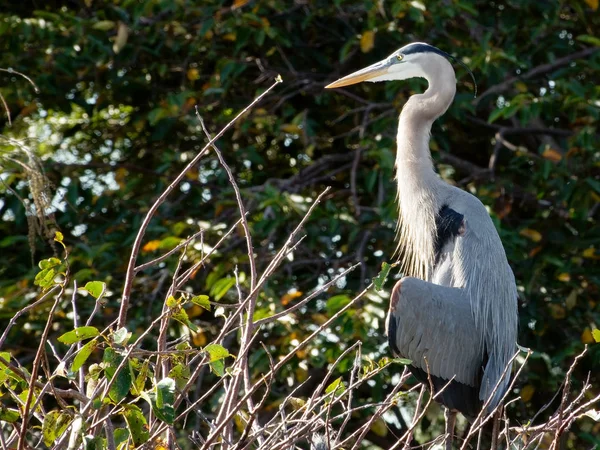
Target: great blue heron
point(454, 314)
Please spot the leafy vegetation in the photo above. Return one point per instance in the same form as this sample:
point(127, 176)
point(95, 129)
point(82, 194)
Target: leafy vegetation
point(104, 107)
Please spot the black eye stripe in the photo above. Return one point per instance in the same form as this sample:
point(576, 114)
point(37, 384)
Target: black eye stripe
point(420, 47)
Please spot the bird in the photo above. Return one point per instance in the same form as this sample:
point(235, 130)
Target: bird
point(453, 313)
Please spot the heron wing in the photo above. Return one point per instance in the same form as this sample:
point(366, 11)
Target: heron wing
point(480, 268)
point(433, 326)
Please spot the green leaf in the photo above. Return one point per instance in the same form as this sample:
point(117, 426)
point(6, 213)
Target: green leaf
point(165, 397)
point(6, 357)
point(49, 263)
point(216, 354)
point(45, 278)
point(596, 334)
point(104, 25)
point(91, 442)
point(221, 287)
point(161, 400)
point(8, 414)
point(4, 371)
point(182, 317)
point(495, 115)
point(337, 302)
point(78, 334)
point(201, 300)
point(121, 436)
point(337, 387)
point(55, 423)
point(181, 374)
point(96, 289)
point(121, 336)
point(169, 243)
point(218, 367)
point(379, 280)
point(173, 302)
point(136, 423)
point(83, 355)
point(58, 237)
point(140, 380)
point(123, 382)
point(588, 39)
point(403, 361)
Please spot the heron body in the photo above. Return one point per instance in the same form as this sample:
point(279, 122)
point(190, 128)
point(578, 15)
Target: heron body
point(454, 314)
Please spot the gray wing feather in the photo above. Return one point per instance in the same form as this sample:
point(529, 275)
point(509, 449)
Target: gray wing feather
point(480, 267)
point(433, 326)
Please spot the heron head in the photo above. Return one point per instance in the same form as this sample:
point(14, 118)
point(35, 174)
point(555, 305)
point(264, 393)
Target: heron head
point(411, 61)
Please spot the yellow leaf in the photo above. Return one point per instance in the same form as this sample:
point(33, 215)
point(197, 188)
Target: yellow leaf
point(230, 37)
point(596, 334)
point(530, 234)
point(379, 427)
point(239, 3)
point(198, 339)
point(564, 277)
point(590, 253)
point(289, 297)
point(297, 403)
point(587, 337)
point(592, 4)
point(527, 392)
point(367, 41)
point(521, 87)
point(552, 155)
point(557, 311)
point(104, 25)
point(290, 128)
point(193, 74)
point(194, 311)
point(121, 39)
point(151, 246)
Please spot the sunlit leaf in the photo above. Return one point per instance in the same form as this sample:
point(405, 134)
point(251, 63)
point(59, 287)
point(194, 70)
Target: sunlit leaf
point(379, 280)
point(120, 387)
point(151, 246)
point(136, 423)
point(55, 423)
point(9, 415)
point(337, 387)
point(78, 334)
point(83, 354)
point(530, 234)
point(121, 336)
point(96, 289)
point(527, 392)
point(104, 25)
point(201, 300)
point(367, 41)
point(121, 39)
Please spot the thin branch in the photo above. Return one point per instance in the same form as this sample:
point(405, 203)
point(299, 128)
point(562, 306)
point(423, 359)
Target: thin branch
point(536, 71)
point(130, 273)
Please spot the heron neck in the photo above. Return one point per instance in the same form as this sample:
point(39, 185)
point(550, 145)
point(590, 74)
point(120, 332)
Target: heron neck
point(417, 117)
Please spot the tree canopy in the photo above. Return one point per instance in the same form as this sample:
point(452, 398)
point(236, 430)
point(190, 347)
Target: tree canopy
point(104, 104)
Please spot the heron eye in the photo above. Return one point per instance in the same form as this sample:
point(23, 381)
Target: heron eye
point(399, 57)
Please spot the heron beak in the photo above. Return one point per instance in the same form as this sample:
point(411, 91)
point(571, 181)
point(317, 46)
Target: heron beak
point(374, 70)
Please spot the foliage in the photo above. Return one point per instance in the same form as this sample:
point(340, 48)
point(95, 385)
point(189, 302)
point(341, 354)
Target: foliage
point(114, 122)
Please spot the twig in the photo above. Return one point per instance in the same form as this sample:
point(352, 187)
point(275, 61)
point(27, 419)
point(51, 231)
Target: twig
point(130, 273)
point(34, 370)
point(536, 71)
